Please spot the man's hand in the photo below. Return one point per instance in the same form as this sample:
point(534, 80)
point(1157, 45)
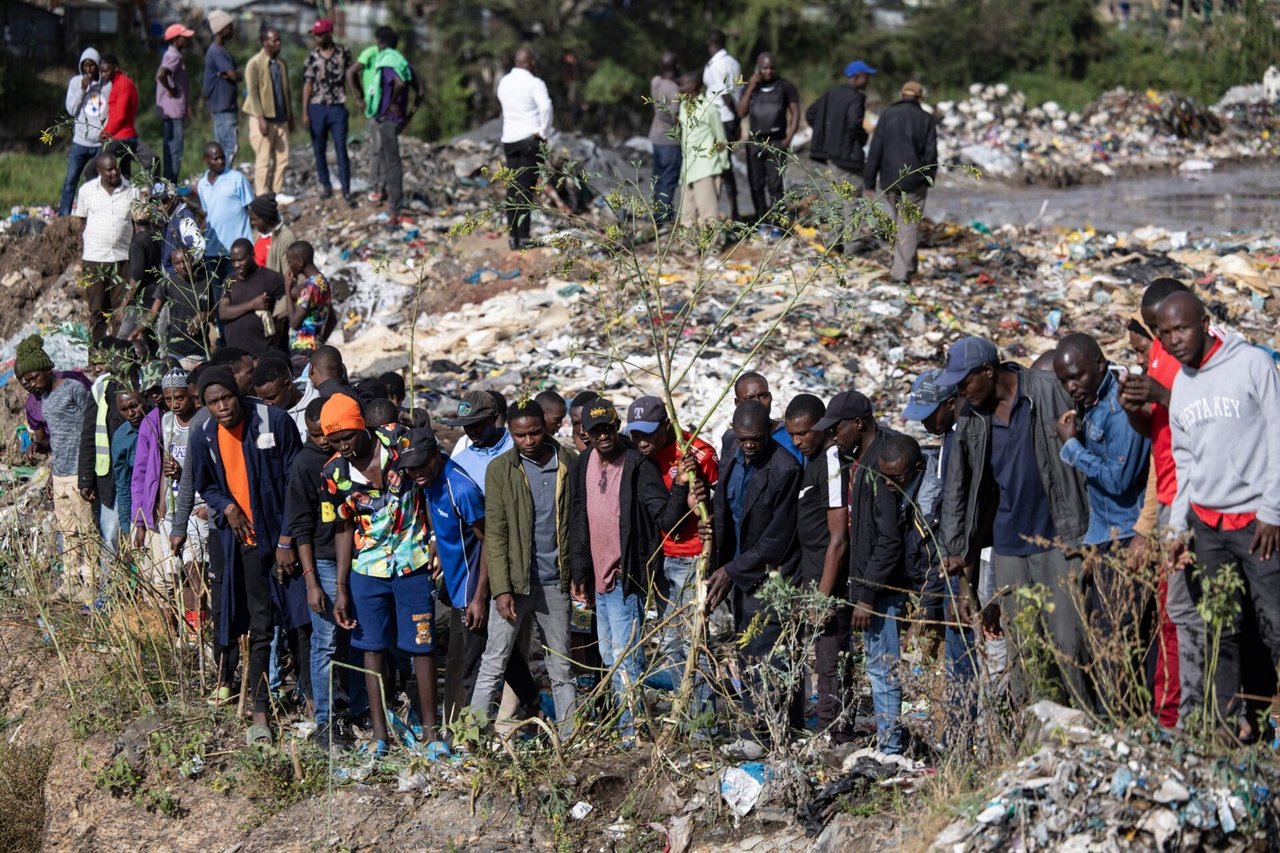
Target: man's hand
point(360, 103)
point(718, 586)
point(955, 566)
point(84, 82)
point(581, 592)
point(286, 559)
point(342, 608)
point(201, 512)
point(476, 614)
point(991, 628)
point(1068, 427)
point(262, 125)
point(316, 599)
point(1139, 552)
point(139, 536)
point(88, 494)
point(306, 119)
point(754, 81)
point(239, 523)
point(505, 604)
point(786, 143)
point(261, 302)
point(171, 468)
point(862, 614)
point(176, 544)
point(1266, 540)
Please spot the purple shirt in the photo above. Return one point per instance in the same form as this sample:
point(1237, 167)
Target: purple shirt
point(171, 107)
point(35, 411)
point(389, 80)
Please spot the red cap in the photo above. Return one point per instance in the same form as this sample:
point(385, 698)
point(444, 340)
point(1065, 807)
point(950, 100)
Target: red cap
point(321, 26)
point(175, 30)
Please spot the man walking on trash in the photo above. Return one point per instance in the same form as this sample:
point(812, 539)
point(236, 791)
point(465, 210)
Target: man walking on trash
point(902, 162)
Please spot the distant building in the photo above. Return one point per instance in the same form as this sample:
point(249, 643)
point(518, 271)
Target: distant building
point(29, 31)
point(87, 21)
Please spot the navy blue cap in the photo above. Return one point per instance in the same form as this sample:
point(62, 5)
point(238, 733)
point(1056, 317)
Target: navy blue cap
point(858, 67)
point(646, 415)
point(926, 395)
point(965, 356)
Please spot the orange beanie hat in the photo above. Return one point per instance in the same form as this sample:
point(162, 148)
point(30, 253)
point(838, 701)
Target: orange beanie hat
point(339, 414)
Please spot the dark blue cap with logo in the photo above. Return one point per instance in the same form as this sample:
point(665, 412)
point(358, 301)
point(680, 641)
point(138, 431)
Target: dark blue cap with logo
point(965, 356)
point(927, 393)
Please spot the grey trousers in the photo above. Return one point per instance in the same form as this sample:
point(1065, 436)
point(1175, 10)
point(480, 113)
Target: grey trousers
point(388, 168)
point(1065, 625)
point(908, 234)
point(1181, 608)
point(552, 609)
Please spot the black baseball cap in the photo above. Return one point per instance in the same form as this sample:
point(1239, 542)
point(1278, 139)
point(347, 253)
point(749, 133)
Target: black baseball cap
point(474, 408)
point(843, 407)
point(598, 412)
point(421, 447)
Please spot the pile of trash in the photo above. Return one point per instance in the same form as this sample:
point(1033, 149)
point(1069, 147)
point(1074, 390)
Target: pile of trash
point(999, 132)
point(1120, 791)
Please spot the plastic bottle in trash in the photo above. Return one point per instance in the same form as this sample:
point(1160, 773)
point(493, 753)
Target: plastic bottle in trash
point(24, 439)
point(1052, 322)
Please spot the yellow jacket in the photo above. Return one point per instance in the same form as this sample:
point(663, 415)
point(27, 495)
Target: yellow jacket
point(260, 101)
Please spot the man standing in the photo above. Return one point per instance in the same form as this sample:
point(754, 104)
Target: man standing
point(902, 162)
point(220, 79)
point(618, 504)
point(527, 554)
point(838, 133)
point(224, 195)
point(773, 103)
point(720, 79)
point(753, 528)
point(1222, 410)
point(664, 93)
point(172, 92)
point(106, 205)
point(242, 456)
point(120, 132)
point(703, 158)
point(526, 125)
point(266, 81)
point(247, 304)
point(753, 386)
point(1007, 485)
point(324, 106)
point(386, 78)
point(63, 402)
point(653, 434)
point(87, 96)
point(478, 416)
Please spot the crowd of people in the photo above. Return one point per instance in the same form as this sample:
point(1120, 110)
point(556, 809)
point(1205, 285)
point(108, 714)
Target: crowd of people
point(218, 448)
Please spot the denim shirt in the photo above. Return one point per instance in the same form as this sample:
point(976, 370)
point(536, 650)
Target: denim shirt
point(1113, 458)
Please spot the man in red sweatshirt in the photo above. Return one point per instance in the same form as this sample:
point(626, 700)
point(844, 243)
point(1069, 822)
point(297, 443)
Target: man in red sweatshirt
point(120, 131)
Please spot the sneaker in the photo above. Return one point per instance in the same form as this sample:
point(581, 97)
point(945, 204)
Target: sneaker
point(349, 199)
point(743, 749)
point(326, 194)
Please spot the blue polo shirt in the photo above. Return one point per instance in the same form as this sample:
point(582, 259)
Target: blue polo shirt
point(1024, 507)
point(224, 203)
point(455, 503)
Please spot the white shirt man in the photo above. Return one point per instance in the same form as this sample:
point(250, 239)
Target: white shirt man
point(720, 77)
point(526, 106)
point(108, 225)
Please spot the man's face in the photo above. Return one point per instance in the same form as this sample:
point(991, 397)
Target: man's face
point(752, 440)
point(215, 159)
point(527, 433)
point(181, 42)
point(179, 261)
point(768, 69)
point(349, 442)
point(316, 433)
point(279, 392)
point(1183, 334)
point(179, 401)
point(580, 437)
point(130, 406)
point(901, 472)
point(848, 434)
point(942, 419)
point(242, 262)
point(37, 382)
point(807, 440)
point(1140, 344)
point(271, 43)
point(979, 388)
point(555, 415)
point(296, 265)
point(604, 438)
point(753, 389)
point(324, 40)
point(425, 474)
point(650, 443)
point(89, 68)
point(224, 405)
point(860, 81)
point(242, 370)
point(109, 172)
point(155, 396)
point(108, 71)
point(483, 433)
point(1080, 375)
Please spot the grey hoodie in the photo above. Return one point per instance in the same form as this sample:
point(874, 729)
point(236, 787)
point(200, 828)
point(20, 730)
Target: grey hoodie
point(1224, 418)
point(88, 106)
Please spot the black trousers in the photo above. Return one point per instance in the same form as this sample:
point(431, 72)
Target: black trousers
point(257, 600)
point(523, 159)
point(1215, 550)
point(228, 657)
point(764, 176)
point(763, 694)
point(835, 683)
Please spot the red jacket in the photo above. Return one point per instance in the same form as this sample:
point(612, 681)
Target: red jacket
point(122, 108)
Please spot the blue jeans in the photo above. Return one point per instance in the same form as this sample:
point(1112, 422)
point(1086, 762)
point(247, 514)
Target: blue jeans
point(77, 158)
point(329, 119)
point(109, 527)
point(673, 641)
point(618, 619)
point(324, 639)
point(883, 656)
point(225, 134)
point(173, 131)
point(666, 175)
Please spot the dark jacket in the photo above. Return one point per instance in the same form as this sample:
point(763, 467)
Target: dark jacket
point(270, 444)
point(969, 492)
point(305, 511)
point(838, 134)
point(645, 509)
point(918, 522)
point(905, 140)
point(876, 551)
point(508, 522)
point(768, 531)
point(86, 478)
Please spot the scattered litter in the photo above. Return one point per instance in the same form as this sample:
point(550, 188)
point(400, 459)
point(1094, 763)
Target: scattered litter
point(580, 810)
point(741, 786)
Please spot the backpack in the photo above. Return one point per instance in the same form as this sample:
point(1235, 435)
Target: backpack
point(769, 110)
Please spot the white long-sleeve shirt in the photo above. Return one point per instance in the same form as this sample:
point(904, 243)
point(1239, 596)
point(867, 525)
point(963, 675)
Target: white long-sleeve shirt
point(526, 106)
point(720, 77)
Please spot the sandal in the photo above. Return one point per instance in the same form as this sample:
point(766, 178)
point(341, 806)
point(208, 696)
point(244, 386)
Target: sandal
point(221, 696)
point(258, 736)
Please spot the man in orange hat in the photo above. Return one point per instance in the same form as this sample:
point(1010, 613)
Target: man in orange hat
point(173, 89)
